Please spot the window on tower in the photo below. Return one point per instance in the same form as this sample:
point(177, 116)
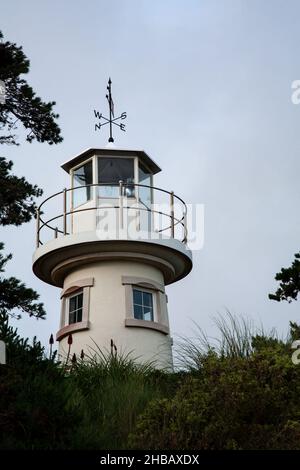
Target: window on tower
point(82, 176)
point(111, 171)
point(75, 308)
point(143, 305)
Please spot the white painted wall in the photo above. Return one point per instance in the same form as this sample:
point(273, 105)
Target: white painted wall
point(107, 313)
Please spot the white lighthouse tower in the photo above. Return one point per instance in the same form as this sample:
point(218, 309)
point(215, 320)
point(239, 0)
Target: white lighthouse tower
point(112, 242)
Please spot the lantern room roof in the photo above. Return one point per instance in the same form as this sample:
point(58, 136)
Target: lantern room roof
point(113, 152)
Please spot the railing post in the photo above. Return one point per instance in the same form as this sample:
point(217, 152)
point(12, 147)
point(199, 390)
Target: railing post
point(185, 226)
point(65, 211)
point(121, 204)
point(37, 227)
point(172, 214)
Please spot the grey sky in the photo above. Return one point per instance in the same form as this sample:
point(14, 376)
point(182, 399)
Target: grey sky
point(207, 89)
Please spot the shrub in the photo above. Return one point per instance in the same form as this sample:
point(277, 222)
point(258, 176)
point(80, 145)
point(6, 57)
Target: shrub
point(35, 397)
point(229, 401)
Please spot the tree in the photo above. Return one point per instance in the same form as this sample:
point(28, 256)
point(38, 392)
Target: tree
point(17, 203)
point(21, 103)
point(289, 278)
point(15, 296)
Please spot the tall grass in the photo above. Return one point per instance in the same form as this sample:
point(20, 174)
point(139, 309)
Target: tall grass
point(235, 339)
point(111, 389)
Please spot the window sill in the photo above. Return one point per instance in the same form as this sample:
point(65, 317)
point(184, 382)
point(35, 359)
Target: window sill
point(147, 324)
point(69, 329)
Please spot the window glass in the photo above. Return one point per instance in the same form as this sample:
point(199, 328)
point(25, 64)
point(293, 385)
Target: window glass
point(111, 171)
point(143, 305)
point(82, 176)
point(144, 179)
point(137, 297)
point(75, 308)
point(147, 299)
point(138, 312)
point(144, 198)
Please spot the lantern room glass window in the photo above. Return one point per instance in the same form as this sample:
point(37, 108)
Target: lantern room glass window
point(75, 308)
point(82, 176)
point(145, 190)
point(111, 171)
point(145, 198)
point(143, 305)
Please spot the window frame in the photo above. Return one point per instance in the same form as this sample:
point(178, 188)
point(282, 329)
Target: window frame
point(80, 286)
point(135, 175)
point(92, 194)
point(154, 302)
point(161, 321)
point(71, 296)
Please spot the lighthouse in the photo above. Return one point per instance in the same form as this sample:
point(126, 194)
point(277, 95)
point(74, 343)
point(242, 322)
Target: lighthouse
point(111, 242)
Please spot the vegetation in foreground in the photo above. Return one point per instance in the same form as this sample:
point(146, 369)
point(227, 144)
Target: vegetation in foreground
point(241, 392)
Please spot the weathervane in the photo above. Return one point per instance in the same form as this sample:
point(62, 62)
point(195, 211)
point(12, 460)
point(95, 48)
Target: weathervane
point(112, 120)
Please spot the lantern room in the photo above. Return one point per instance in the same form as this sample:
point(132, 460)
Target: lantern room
point(99, 178)
point(106, 168)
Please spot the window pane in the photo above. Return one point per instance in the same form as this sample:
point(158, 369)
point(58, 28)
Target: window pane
point(81, 177)
point(75, 308)
point(72, 304)
point(79, 300)
point(79, 315)
point(72, 318)
point(137, 297)
point(148, 313)
point(142, 305)
point(145, 179)
point(138, 312)
point(147, 299)
point(145, 198)
point(112, 170)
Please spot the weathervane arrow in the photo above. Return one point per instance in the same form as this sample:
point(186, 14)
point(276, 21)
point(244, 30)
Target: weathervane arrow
point(112, 120)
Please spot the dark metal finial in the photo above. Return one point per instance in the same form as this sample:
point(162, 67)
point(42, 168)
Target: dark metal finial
point(112, 120)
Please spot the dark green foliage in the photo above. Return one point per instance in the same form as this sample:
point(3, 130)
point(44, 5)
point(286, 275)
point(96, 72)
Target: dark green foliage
point(16, 196)
point(22, 104)
point(230, 398)
point(250, 402)
point(15, 297)
point(289, 282)
point(294, 331)
point(35, 397)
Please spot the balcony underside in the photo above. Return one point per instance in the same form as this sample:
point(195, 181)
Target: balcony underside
point(53, 261)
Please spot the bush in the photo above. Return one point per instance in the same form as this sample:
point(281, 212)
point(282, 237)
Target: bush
point(35, 397)
point(249, 401)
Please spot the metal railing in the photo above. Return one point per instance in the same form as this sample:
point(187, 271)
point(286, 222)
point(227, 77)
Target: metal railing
point(174, 205)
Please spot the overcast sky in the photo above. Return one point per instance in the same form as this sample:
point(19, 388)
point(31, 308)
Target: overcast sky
point(207, 89)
